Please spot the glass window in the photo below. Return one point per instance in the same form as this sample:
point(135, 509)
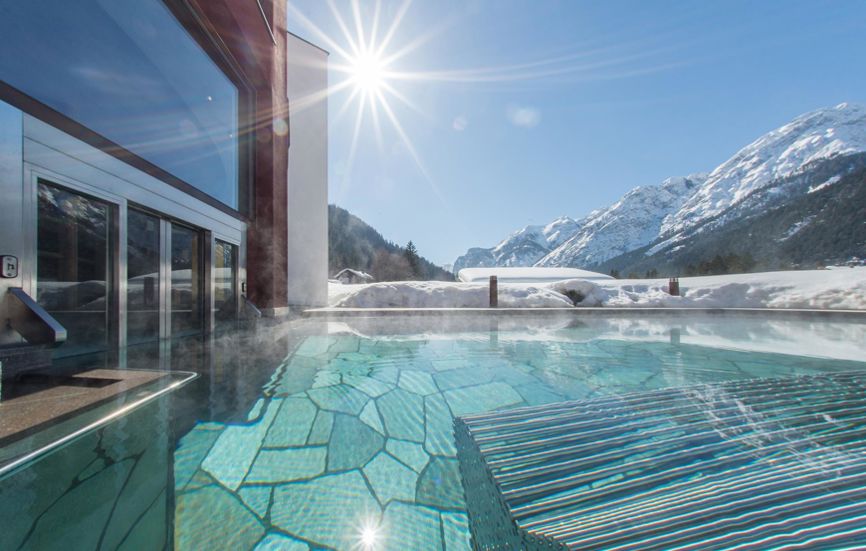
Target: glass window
point(129, 71)
point(142, 272)
point(225, 287)
point(73, 267)
point(186, 281)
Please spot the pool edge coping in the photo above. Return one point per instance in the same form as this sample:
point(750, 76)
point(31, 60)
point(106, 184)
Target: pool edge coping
point(330, 312)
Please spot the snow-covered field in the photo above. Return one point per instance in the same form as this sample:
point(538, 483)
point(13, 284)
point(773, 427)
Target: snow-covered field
point(832, 289)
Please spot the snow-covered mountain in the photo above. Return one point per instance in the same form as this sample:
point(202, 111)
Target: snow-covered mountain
point(522, 248)
point(630, 223)
point(666, 214)
point(822, 134)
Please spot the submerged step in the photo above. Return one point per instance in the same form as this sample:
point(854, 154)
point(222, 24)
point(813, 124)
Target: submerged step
point(744, 464)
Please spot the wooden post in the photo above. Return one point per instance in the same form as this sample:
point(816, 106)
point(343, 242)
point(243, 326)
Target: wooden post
point(494, 292)
point(674, 286)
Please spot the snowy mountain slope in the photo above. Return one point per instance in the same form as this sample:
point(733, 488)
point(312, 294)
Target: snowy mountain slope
point(522, 248)
point(630, 223)
point(666, 215)
point(783, 226)
point(821, 134)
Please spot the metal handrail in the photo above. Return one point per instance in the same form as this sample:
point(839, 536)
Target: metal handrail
point(32, 321)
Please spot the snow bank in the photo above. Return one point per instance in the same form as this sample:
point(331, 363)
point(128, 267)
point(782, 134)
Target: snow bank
point(838, 289)
point(440, 294)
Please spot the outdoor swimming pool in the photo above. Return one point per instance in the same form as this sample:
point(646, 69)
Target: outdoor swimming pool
point(339, 434)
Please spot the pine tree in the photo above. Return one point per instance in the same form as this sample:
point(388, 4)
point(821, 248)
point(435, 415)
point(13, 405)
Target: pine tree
point(411, 254)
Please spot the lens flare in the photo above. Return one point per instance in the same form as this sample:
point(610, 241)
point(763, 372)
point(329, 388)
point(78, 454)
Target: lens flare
point(369, 535)
point(367, 72)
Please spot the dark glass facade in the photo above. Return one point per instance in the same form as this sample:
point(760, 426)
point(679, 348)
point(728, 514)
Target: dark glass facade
point(129, 71)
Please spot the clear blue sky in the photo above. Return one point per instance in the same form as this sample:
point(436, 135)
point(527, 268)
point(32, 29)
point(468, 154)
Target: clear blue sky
point(522, 111)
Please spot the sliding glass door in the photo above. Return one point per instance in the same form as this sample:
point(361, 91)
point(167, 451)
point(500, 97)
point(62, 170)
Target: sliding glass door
point(78, 262)
point(74, 275)
point(187, 281)
point(165, 278)
point(144, 284)
point(225, 283)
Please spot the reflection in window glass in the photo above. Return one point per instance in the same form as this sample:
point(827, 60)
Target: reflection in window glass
point(142, 271)
point(72, 270)
point(224, 289)
point(186, 281)
point(128, 70)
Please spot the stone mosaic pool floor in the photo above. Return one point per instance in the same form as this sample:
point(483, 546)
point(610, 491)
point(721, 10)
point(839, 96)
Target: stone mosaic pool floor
point(351, 444)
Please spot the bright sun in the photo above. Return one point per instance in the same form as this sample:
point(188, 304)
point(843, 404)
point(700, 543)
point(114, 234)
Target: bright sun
point(367, 72)
point(365, 62)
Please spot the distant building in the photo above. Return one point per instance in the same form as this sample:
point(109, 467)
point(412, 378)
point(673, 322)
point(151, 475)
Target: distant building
point(527, 274)
point(349, 276)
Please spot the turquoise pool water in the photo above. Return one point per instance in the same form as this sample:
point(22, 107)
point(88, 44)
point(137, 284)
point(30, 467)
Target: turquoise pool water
point(341, 436)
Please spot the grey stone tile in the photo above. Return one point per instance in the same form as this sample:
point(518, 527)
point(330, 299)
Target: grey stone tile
point(212, 518)
point(386, 374)
point(439, 484)
point(463, 377)
point(418, 382)
point(370, 416)
point(408, 527)
point(292, 424)
point(256, 409)
point(448, 364)
point(403, 414)
point(256, 498)
point(390, 479)
point(99, 463)
point(326, 378)
point(234, 451)
point(352, 444)
point(150, 530)
point(96, 496)
point(340, 398)
point(475, 399)
point(315, 345)
point(344, 344)
point(276, 466)
point(439, 439)
point(327, 510)
point(409, 453)
point(538, 393)
point(321, 431)
point(514, 377)
point(147, 481)
point(455, 531)
point(368, 385)
point(199, 480)
point(280, 542)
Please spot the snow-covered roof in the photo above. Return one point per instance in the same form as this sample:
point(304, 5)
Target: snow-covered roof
point(357, 273)
point(527, 275)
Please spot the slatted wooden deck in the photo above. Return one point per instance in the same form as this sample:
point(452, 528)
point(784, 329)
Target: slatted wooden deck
point(756, 464)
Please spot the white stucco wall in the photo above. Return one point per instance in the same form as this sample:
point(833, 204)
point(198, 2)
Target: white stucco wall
point(308, 174)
